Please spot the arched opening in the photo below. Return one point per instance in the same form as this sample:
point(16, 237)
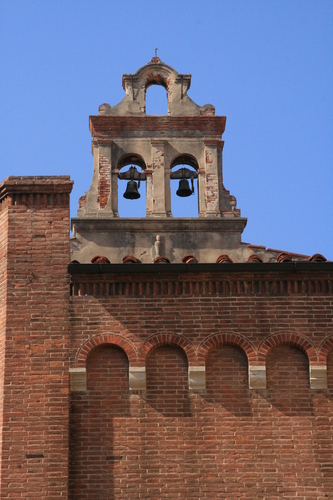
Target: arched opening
point(227, 380)
point(156, 100)
point(131, 207)
point(184, 167)
point(287, 369)
point(167, 381)
point(99, 419)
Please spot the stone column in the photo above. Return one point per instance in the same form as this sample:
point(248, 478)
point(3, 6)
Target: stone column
point(114, 186)
point(202, 192)
point(104, 177)
point(213, 173)
point(158, 180)
point(149, 192)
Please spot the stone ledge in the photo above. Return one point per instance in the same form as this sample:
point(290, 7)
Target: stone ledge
point(105, 222)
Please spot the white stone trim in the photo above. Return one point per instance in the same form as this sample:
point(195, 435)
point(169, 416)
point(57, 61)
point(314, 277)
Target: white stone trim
point(318, 377)
point(257, 377)
point(137, 378)
point(197, 377)
point(78, 379)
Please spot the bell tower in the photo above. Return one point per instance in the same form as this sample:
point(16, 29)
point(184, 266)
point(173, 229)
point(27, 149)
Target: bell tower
point(150, 152)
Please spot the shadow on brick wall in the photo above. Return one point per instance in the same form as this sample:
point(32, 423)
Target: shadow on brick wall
point(226, 382)
point(167, 382)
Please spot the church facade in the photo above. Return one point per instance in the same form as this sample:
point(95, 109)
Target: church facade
point(158, 357)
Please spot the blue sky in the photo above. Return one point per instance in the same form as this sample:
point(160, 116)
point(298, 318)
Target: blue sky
point(267, 65)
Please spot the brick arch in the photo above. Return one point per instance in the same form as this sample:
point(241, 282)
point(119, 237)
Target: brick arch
point(112, 339)
point(324, 349)
point(293, 339)
point(161, 339)
point(233, 339)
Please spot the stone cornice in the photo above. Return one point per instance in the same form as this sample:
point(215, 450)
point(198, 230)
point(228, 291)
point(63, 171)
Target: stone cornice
point(232, 224)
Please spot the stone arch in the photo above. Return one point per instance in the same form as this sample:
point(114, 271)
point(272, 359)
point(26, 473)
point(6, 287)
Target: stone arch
point(161, 339)
point(324, 349)
point(131, 158)
point(293, 339)
point(233, 339)
point(112, 339)
point(153, 73)
point(156, 73)
point(156, 79)
point(184, 159)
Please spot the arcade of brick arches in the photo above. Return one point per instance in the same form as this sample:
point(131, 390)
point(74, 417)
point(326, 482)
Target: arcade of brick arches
point(158, 357)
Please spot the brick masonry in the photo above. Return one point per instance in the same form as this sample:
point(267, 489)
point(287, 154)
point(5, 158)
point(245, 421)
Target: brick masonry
point(152, 381)
point(223, 441)
point(104, 127)
point(162, 404)
point(34, 337)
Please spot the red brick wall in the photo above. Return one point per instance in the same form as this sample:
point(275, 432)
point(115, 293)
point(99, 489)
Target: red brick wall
point(224, 442)
point(104, 183)
point(99, 426)
point(289, 426)
point(3, 294)
point(35, 400)
point(104, 127)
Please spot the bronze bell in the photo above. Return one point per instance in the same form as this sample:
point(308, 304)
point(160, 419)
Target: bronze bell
point(131, 192)
point(184, 188)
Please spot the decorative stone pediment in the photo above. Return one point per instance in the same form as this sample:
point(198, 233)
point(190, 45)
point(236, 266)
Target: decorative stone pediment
point(156, 73)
